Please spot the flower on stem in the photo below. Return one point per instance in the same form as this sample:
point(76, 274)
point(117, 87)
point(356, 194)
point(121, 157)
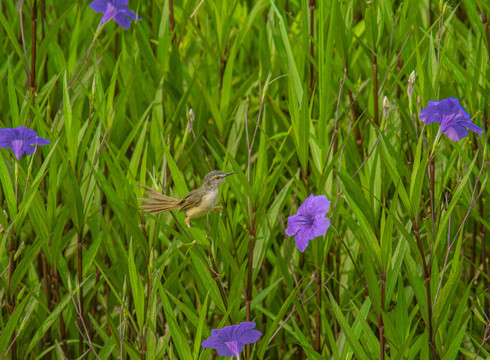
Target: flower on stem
point(21, 140)
point(310, 221)
point(454, 120)
point(230, 340)
point(116, 10)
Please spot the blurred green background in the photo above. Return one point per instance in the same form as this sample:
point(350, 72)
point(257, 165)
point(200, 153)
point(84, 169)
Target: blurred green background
point(295, 97)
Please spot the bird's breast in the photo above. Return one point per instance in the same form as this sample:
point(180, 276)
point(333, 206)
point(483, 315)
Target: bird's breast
point(209, 200)
point(207, 204)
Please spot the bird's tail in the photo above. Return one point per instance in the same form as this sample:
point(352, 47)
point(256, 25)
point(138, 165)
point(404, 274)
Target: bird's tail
point(158, 203)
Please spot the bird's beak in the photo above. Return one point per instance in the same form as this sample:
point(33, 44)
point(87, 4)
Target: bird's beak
point(228, 174)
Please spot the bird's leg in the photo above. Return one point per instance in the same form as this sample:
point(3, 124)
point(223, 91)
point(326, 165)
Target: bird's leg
point(188, 222)
point(218, 208)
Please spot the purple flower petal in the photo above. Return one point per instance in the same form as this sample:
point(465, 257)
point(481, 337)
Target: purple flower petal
point(473, 127)
point(218, 341)
point(122, 18)
point(230, 340)
point(123, 21)
point(456, 132)
point(21, 140)
point(295, 223)
point(317, 205)
point(318, 228)
point(99, 6)
point(301, 240)
point(310, 221)
point(116, 10)
point(430, 113)
point(41, 141)
point(454, 120)
point(247, 334)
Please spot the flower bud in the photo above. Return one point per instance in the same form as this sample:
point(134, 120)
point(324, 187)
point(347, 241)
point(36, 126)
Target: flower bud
point(190, 122)
point(386, 107)
point(411, 81)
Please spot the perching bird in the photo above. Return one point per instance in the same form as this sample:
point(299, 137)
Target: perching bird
point(196, 203)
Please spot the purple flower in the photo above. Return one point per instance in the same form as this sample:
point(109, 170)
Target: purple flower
point(21, 140)
point(310, 221)
point(454, 120)
point(230, 340)
point(116, 10)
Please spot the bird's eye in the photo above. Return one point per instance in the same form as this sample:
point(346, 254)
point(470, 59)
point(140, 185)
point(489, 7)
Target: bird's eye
point(216, 178)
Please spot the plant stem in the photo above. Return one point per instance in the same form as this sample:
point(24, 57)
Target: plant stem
point(248, 298)
point(484, 255)
point(217, 277)
point(56, 297)
point(432, 335)
point(331, 269)
point(80, 281)
point(12, 250)
point(32, 80)
point(43, 36)
point(251, 214)
point(10, 292)
point(375, 87)
point(426, 270)
point(47, 293)
point(484, 259)
point(486, 268)
point(380, 316)
point(357, 132)
point(312, 6)
point(319, 304)
point(172, 19)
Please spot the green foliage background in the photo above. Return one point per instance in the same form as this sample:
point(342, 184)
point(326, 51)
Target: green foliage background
point(283, 94)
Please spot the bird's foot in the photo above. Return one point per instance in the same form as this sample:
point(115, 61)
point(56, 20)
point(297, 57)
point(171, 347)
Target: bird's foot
point(188, 222)
point(218, 208)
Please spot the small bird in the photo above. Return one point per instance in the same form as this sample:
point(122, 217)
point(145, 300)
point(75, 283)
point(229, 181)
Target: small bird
point(196, 203)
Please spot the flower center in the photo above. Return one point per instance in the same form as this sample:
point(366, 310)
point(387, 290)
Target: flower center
point(307, 220)
point(448, 121)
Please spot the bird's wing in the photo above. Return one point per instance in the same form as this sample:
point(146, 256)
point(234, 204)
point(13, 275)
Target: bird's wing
point(192, 199)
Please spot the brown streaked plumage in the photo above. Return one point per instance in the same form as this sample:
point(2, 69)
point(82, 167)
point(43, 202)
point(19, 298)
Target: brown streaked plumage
point(196, 203)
